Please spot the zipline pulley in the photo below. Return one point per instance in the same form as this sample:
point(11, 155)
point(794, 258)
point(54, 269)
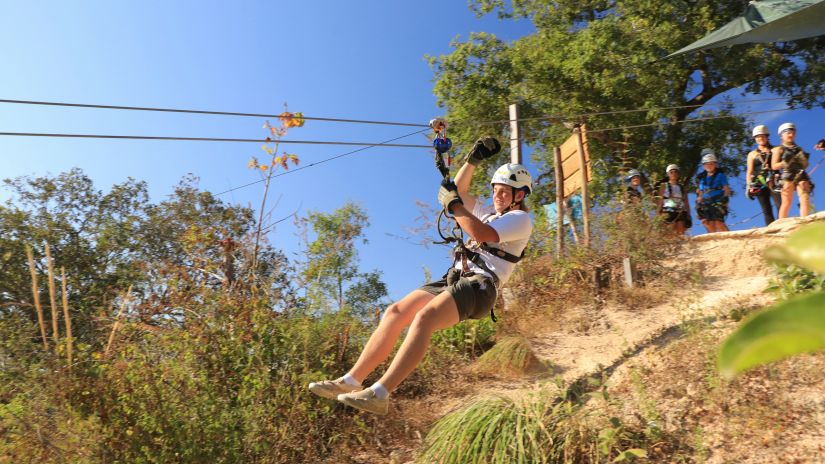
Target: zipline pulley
point(443, 160)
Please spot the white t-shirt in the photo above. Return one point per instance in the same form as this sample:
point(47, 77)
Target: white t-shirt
point(672, 196)
point(513, 228)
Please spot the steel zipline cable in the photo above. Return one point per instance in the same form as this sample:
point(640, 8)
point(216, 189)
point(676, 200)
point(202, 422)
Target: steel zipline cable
point(362, 144)
point(214, 113)
point(365, 121)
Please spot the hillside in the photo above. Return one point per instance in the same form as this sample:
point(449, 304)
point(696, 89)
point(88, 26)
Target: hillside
point(655, 353)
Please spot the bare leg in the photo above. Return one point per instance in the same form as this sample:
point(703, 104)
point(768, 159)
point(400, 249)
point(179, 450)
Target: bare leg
point(787, 199)
point(398, 316)
point(803, 192)
point(708, 225)
point(440, 313)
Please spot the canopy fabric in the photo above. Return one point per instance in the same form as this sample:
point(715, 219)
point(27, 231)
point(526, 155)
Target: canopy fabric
point(767, 21)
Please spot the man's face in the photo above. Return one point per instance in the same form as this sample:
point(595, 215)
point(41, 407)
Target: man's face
point(761, 139)
point(788, 135)
point(710, 167)
point(635, 181)
point(673, 175)
point(503, 196)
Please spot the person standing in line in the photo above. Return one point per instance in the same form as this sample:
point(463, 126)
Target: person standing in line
point(713, 194)
point(760, 175)
point(793, 161)
point(673, 202)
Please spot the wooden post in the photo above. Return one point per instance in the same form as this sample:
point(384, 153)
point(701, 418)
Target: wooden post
point(559, 201)
point(515, 136)
point(585, 201)
point(629, 273)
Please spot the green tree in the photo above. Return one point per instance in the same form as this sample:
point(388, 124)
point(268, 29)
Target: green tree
point(601, 55)
point(331, 273)
point(109, 241)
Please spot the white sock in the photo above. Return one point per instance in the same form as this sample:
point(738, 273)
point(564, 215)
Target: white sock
point(350, 380)
point(380, 391)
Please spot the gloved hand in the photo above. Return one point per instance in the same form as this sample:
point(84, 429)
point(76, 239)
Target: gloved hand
point(820, 145)
point(448, 195)
point(484, 148)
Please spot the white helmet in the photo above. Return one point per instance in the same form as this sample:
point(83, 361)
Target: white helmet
point(708, 156)
point(631, 174)
point(671, 167)
point(786, 126)
point(760, 130)
point(514, 175)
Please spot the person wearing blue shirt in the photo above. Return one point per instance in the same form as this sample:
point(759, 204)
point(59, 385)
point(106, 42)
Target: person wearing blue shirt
point(713, 194)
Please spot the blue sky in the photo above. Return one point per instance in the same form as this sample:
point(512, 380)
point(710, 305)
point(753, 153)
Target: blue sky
point(328, 59)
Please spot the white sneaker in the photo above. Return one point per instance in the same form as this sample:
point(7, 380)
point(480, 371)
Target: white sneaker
point(366, 400)
point(330, 389)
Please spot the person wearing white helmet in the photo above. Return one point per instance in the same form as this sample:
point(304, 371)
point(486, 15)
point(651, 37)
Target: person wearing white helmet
point(499, 235)
point(713, 194)
point(793, 161)
point(673, 202)
point(760, 176)
point(634, 191)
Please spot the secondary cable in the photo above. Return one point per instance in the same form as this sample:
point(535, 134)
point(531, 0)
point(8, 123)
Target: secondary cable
point(212, 139)
point(380, 144)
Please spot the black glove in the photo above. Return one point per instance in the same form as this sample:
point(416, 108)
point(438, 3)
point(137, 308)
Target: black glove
point(484, 148)
point(448, 195)
point(820, 145)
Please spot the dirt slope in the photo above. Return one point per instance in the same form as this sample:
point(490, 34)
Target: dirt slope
point(733, 273)
point(727, 271)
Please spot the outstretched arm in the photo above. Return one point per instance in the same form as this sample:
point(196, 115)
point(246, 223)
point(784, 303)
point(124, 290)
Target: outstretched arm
point(462, 181)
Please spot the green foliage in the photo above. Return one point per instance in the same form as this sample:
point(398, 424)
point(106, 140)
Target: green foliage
point(331, 272)
point(793, 326)
point(803, 248)
point(788, 328)
point(792, 280)
point(199, 370)
point(469, 338)
point(602, 56)
point(110, 241)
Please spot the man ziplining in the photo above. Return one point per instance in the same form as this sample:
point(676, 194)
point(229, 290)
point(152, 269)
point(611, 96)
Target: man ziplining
point(468, 290)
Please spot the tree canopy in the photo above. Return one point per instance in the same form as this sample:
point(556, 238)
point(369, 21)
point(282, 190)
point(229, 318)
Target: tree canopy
point(605, 55)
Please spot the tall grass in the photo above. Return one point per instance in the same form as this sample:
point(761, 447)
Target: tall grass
point(499, 430)
point(512, 354)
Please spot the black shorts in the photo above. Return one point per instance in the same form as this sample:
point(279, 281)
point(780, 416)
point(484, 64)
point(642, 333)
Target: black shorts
point(474, 296)
point(712, 211)
point(673, 216)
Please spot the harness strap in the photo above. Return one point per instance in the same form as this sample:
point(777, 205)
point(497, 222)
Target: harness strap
point(498, 252)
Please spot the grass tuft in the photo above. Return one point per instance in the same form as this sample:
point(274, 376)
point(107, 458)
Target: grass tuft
point(512, 354)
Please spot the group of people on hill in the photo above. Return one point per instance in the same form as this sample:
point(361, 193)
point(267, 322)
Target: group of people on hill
point(774, 173)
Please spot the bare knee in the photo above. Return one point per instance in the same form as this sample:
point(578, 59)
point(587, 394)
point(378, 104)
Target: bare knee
point(426, 319)
point(394, 316)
